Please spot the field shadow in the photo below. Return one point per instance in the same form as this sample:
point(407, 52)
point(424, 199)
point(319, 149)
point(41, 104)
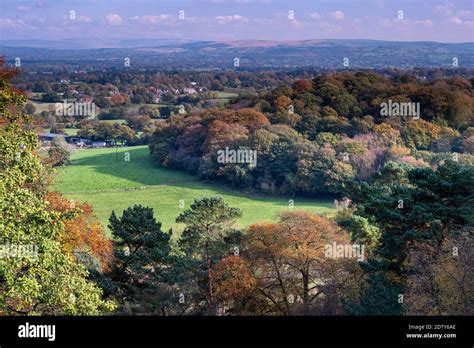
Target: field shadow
point(140, 170)
point(132, 164)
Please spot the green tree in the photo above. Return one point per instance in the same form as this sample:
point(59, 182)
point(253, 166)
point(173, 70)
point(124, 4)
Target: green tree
point(29, 109)
point(427, 209)
point(45, 280)
point(142, 254)
point(419, 134)
point(51, 97)
point(58, 155)
point(207, 237)
point(102, 102)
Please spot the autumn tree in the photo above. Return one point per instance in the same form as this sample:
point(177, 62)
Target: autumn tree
point(234, 285)
point(441, 277)
point(419, 134)
point(284, 112)
point(58, 154)
point(248, 118)
point(467, 142)
point(138, 122)
point(290, 261)
point(301, 86)
point(45, 280)
point(387, 134)
point(331, 121)
point(83, 236)
point(221, 134)
point(320, 170)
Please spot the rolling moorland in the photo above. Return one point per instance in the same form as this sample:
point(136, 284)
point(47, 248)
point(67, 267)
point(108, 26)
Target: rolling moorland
point(252, 54)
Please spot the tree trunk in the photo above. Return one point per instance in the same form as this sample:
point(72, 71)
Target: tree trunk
point(211, 307)
point(306, 292)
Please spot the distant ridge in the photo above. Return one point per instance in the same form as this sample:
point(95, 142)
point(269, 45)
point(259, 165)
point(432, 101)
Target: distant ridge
point(75, 43)
point(251, 54)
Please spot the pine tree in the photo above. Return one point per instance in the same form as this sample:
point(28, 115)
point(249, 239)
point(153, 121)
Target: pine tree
point(142, 255)
point(428, 209)
point(207, 238)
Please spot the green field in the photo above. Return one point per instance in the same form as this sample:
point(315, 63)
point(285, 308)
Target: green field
point(133, 108)
point(68, 131)
point(109, 183)
point(71, 131)
point(118, 121)
point(226, 95)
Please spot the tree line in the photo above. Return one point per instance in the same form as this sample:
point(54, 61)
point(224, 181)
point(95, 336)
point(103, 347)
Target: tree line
point(319, 136)
point(415, 225)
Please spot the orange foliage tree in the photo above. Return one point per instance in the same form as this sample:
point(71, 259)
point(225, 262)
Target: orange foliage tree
point(248, 118)
point(234, 283)
point(83, 232)
point(301, 86)
point(290, 263)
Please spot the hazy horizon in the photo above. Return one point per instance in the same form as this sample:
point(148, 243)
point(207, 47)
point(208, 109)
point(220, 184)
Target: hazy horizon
point(236, 40)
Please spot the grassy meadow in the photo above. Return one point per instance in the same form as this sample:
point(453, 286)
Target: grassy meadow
point(106, 180)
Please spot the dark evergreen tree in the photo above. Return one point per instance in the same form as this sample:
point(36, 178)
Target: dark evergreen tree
point(141, 274)
point(429, 208)
point(207, 238)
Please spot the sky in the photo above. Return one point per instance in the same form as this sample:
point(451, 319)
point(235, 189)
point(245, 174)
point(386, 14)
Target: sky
point(225, 20)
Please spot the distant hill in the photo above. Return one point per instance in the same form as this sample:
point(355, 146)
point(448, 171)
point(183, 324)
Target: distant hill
point(176, 54)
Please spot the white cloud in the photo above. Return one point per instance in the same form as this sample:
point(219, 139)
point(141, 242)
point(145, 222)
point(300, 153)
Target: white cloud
point(387, 23)
point(425, 22)
point(113, 19)
point(227, 19)
point(455, 20)
point(152, 19)
point(314, 15)
point(13, 24)
point(337, 15)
